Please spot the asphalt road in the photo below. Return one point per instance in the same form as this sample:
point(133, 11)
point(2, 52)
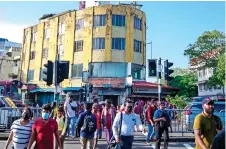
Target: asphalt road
point(75, 144)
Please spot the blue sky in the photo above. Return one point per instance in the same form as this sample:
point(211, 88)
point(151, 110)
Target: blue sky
point(171, 25)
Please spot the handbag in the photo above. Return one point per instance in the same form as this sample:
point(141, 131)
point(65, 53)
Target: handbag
point(113, 144)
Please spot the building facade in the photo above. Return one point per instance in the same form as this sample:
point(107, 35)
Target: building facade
point(5, 45)
point(204, 73)
point(9, 64)
point(106, 41)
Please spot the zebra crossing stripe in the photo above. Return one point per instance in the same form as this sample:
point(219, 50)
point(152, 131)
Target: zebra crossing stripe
point(188, 146)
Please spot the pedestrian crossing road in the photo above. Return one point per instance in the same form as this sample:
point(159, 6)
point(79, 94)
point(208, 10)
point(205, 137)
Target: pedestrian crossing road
point(72, 144)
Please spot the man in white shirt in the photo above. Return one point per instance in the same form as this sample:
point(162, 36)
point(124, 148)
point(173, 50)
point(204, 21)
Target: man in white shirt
point(129, 119)
point(70, 113)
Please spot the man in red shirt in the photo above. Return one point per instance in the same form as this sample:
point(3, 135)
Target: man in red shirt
point(98, 118)
point(150, 122)
point(43, 130)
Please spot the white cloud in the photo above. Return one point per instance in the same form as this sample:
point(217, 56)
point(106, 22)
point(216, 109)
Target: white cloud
point(12, 32)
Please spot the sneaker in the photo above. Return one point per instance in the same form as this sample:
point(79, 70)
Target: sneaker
point(148, 143)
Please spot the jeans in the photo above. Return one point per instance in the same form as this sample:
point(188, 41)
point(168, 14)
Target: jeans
point(126, 142)
point(151, 132)
point(71, 122)
point(109, 134)
point(86, 143)
point(159, 132)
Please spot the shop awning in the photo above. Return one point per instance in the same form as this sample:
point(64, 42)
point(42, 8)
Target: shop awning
point(71, 89)
point(144, 84)
point(51, 90)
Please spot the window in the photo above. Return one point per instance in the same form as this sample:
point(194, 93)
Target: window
point(118, 20)
point(137, 46)
point(77, 70)
point(78, 46)
point(99, 20)
point(61, 49)
point(98, 43)
point(138, 72)
point(30, 75)
point(79, 24)
point(200, 87)
point(118, 43)
point(41, 74)
point(200, 74)
point(45, 53)
point(33, 36)
point(204, 72)
point(46, 33)
point(137, 23)
point(113, 69)
point(61, 28)
point(32, 56)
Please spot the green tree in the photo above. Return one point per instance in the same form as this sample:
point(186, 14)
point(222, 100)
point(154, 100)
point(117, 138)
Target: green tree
point(186, 84)
point(207, 42)
point(218, 77)
point(179, 101)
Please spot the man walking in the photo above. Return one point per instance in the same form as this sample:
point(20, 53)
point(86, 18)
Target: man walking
point(129, 119)
point(162, 122)
point(69, 108)
point(87, 123)
point(43, 131)
point(206, 125)
point(108, 116)
point(150, 122)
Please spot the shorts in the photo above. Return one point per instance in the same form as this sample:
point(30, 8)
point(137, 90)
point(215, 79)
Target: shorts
point(97, 133)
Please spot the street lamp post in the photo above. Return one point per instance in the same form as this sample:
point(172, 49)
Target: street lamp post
point(151, 47)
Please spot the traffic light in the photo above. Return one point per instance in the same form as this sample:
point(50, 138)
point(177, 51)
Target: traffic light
point(83, 92)
point(62, 71)
point(168, 71)
point(152, 67)
point(48, 73)
point(90, 88)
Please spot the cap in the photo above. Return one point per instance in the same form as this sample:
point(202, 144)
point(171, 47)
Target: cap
point(207, 100)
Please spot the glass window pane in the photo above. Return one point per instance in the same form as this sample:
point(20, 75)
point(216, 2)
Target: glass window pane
point(123, 21)
point(123, 43)
point(112, 43)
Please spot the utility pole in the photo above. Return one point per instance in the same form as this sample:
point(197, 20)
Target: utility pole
point(159, 80)
point(55, 77)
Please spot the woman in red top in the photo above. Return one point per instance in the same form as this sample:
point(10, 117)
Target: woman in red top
point(96, 112)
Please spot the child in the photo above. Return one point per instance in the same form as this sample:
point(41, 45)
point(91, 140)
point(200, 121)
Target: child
point(62, 125)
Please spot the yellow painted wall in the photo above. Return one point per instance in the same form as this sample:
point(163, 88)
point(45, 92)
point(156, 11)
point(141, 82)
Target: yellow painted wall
point(86, 34)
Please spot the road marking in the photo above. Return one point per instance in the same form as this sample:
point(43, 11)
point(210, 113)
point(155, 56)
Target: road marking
point(188, 146)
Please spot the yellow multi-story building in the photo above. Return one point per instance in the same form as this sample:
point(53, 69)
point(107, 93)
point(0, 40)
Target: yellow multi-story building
point(107, 41)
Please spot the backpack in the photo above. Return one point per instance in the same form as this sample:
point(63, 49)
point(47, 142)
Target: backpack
point(72, 107)
point(89, 124)
point(166, 123)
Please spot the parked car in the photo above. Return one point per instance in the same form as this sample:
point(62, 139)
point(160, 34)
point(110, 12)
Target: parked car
point(194, 108)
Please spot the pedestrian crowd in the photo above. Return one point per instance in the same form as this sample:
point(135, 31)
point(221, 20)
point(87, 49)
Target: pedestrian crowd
point(87, 121)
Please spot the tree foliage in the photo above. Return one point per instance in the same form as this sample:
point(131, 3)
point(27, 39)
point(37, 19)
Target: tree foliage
point(179, 101)
point(207, 42)
point(218, 77)
point(186, 84)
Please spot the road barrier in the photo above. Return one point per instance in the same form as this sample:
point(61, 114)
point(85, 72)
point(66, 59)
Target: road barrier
point(8, 115)
point(182, 120)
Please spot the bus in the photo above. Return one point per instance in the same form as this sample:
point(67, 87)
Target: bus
point(10, 89)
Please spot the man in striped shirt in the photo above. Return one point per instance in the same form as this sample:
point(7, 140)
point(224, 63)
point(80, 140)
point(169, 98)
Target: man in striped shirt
point(21, 131)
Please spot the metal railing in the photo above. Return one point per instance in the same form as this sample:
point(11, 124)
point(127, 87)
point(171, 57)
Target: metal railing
point(8, 115)
point(182, 120)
